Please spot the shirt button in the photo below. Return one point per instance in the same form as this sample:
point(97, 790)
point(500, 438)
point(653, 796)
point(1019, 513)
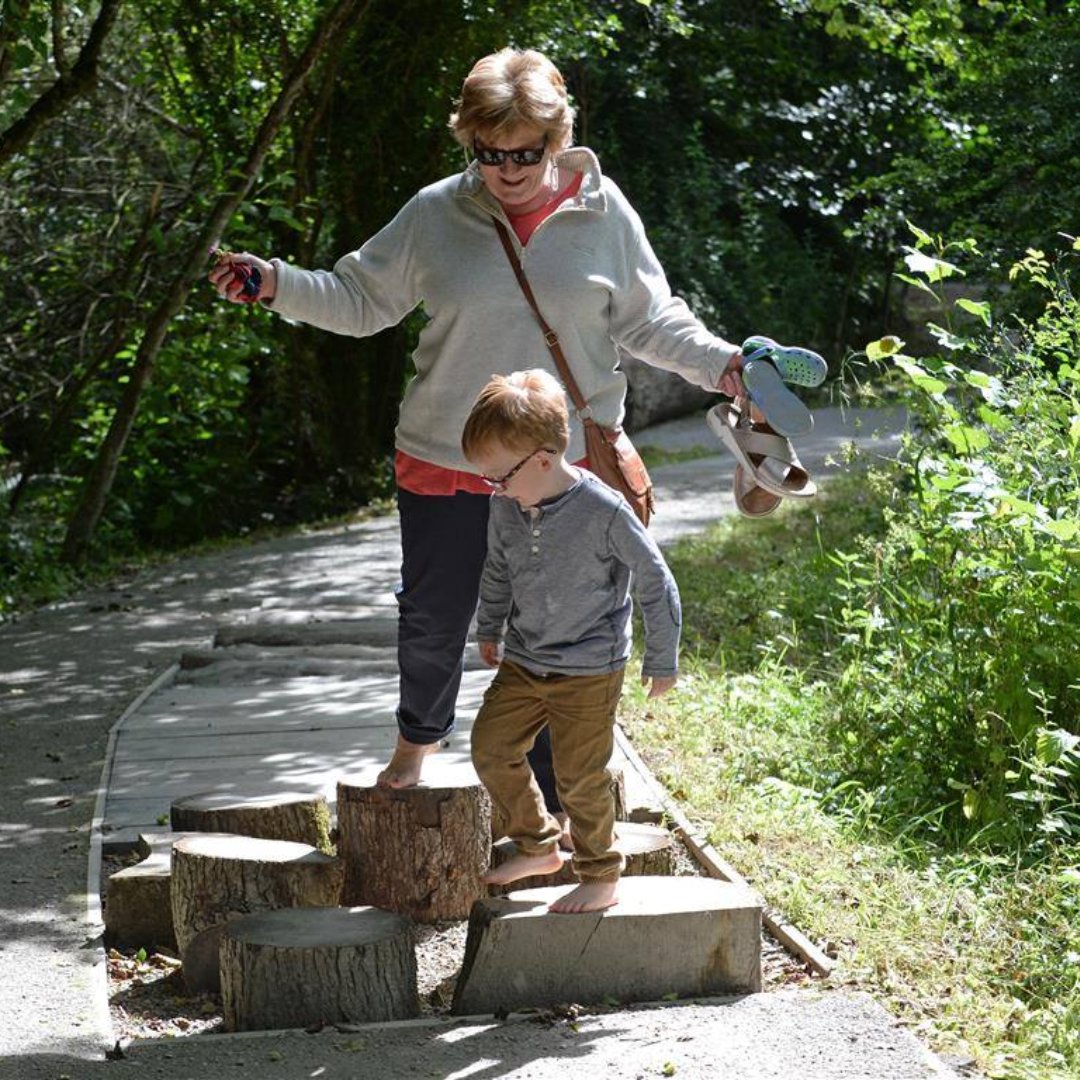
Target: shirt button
point(536, 548)
point(536, 532)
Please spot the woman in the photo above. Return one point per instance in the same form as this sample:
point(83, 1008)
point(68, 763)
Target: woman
point(595, 279)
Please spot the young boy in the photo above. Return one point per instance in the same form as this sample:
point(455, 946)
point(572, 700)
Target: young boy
point(564, 551)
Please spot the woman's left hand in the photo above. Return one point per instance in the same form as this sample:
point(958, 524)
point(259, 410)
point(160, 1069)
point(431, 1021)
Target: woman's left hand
point(731, 382)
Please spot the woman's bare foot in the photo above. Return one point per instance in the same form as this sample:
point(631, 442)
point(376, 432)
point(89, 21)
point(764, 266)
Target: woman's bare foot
point(523, 866)
point(405, 766)
point(588, 896)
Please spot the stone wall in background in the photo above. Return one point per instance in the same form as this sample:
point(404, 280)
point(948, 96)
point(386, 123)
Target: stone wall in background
point(654, 394)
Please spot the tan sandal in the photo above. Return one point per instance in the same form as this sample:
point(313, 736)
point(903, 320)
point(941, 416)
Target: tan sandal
point(751, 499)
point(768, 459)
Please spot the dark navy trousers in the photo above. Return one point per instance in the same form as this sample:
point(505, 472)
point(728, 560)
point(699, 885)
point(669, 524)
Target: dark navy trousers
point(443, 544)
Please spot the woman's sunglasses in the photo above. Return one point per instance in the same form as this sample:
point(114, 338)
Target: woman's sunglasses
point(532, 156)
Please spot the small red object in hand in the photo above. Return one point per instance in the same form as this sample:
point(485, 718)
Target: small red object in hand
point(244, 274)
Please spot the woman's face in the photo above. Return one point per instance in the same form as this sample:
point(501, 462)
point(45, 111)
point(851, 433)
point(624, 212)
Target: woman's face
point(520, 188)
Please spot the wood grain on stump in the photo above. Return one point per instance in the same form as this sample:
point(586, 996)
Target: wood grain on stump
point(304, 819)
point(419, 851)
point(303, 966)
point(648, 850)
point(218, 877)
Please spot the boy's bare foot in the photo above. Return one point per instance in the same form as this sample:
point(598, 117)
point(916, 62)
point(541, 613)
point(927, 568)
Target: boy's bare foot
point(588, 896)
point(523, 866)
point(405, 766)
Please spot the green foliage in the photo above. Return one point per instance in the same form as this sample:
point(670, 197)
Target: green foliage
point(958, 692)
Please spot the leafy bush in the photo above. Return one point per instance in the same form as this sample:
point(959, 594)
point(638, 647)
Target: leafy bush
point(958, 697)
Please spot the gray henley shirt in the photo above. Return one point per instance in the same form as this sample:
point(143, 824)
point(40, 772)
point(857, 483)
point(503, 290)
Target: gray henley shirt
point(558, 579)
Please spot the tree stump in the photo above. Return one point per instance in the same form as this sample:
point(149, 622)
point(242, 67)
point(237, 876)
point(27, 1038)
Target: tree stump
point(618, 793)
point(688, 936)
point(649, 850)
point(303, 819)
point(304, 966)
point(218, 877)
point(419, 851)
point(137, 910)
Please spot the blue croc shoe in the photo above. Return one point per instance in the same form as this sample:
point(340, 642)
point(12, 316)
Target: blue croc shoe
point(801, 367)
point(783, 411)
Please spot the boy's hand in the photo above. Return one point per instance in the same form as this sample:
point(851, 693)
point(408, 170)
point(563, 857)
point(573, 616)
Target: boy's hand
point(489, 652)
point(661, 684)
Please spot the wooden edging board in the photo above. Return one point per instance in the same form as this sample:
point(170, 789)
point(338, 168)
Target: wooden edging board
point(711, 862)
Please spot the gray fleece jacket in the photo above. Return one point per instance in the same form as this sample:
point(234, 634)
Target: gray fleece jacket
point(557, 582)
point(591, 268)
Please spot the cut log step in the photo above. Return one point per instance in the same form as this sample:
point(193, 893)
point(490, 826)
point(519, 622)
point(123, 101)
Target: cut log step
point(298, 817)
point(649, 850)
point(684, 936)
point(138, 909)
point(303, 966)
point(138, 912)
point(217, 877)
point(418, 851)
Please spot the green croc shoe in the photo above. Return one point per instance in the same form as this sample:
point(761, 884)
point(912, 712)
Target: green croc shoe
point(801, 367)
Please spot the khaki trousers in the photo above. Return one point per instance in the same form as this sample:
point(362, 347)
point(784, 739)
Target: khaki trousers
point(579, 712)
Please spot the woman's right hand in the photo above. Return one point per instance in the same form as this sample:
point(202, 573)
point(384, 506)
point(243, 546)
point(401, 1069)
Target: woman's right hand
point(230, 285)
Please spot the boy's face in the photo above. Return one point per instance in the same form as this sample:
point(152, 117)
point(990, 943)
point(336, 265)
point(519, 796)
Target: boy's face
point(516, 473)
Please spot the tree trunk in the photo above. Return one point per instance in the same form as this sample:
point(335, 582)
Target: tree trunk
point(99, 483)
point(306, 966)
point(303, 819)
point(218, 877)
point(419, 851)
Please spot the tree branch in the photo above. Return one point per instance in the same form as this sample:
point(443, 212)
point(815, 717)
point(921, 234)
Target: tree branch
point(71, 85)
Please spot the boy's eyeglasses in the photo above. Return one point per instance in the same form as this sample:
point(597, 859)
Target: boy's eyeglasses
point(498, 483)
point(487, 156)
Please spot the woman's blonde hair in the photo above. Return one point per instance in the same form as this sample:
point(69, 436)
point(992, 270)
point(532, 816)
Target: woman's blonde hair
point(525, 410)
point(512, 87)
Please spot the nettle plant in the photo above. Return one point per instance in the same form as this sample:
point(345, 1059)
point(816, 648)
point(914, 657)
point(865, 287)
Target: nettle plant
point(962, 691)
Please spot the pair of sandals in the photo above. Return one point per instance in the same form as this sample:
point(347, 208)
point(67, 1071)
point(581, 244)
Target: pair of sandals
point(756, 428)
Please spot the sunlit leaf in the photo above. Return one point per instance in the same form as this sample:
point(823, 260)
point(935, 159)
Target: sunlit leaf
point(979, 308)
point(886, 346)
point(918, 283)
point(1063, 529)
point(919, 262)
point(1052, 744)
point(966, 439)
point(919, 377)
point(945, 338)
point(921, 237)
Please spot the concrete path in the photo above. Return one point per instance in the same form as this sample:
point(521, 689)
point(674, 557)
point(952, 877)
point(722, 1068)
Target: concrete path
point(190, 658)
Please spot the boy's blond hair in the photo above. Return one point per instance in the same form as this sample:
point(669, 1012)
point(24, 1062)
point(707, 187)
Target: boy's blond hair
point(525, 410)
